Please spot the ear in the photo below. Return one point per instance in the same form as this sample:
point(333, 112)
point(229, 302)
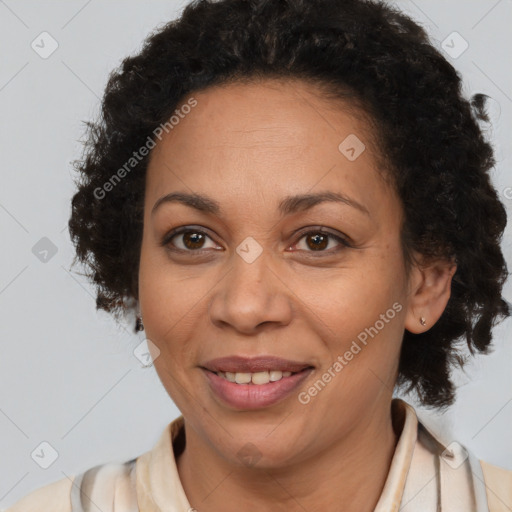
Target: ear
point(429, 292)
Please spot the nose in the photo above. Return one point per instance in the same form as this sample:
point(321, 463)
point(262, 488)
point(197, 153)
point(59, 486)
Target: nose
point(251, 295)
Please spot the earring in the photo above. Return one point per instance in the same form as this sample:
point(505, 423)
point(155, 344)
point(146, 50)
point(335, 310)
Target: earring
point(139, 326)
point(422, 321)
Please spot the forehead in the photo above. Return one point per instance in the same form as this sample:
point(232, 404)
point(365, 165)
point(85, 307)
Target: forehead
point(265, 140)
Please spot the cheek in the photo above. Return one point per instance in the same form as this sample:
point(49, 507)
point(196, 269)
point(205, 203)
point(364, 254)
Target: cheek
point(163, 296)
point(362, 363)
point(170, 306)
point(364, 310)
point(353, 298)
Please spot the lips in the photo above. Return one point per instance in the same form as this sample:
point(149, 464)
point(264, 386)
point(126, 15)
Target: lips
point(245, 395)
point(240, 364)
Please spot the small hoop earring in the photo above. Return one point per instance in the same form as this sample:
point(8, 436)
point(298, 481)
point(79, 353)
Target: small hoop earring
point(139, 326)
point(422, 321)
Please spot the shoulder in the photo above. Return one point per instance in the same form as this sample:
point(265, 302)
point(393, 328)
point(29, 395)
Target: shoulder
point(460, 473)
point(101, 486)
point(108, 485)
point(54, 497)
point(498, 485)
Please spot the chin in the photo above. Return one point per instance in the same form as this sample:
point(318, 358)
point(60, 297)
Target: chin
point(258, 448)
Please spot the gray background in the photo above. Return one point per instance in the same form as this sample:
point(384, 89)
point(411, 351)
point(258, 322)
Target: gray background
point(68, 373)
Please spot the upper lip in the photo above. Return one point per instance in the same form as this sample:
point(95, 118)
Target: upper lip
point(241, 364)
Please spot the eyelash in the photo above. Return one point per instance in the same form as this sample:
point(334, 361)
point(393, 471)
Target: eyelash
point(166, 241)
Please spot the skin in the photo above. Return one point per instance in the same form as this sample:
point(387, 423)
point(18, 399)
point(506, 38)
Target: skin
point(248, 146)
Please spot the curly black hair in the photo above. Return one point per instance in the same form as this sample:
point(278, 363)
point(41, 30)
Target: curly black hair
point(429, 136)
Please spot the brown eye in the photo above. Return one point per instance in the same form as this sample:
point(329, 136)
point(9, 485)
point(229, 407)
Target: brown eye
point(188, 240)
point(193, 239)
point(318, 241)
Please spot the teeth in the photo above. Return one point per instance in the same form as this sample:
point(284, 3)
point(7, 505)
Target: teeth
point(254, 378)
point(276, 375)
point(260, 378)
point(242, 378)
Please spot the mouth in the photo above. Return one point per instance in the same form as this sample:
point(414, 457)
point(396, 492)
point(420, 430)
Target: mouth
point(254, 383)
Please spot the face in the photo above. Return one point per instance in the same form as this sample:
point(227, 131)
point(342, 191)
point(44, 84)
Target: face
point(254, 279)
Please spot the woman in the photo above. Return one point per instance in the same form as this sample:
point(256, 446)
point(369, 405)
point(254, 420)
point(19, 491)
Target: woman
point(294, 199)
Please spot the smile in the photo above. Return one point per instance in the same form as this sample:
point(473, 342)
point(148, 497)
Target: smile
point(254, 390)
point(257, 378)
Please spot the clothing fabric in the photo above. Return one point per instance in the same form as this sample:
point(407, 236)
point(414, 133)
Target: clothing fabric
point(425, 475)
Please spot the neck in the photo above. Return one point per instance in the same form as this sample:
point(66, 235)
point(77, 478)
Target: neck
point(351, 472)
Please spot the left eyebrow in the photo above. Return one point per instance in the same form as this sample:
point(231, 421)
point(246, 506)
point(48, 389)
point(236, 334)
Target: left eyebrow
point(287, 206)
point(301, 202)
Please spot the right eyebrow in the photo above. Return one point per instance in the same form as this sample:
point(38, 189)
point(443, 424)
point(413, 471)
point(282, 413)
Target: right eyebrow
point(199, 202)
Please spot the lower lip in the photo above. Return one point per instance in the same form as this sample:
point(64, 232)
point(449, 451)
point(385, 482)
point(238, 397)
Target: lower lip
point(255, 396)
